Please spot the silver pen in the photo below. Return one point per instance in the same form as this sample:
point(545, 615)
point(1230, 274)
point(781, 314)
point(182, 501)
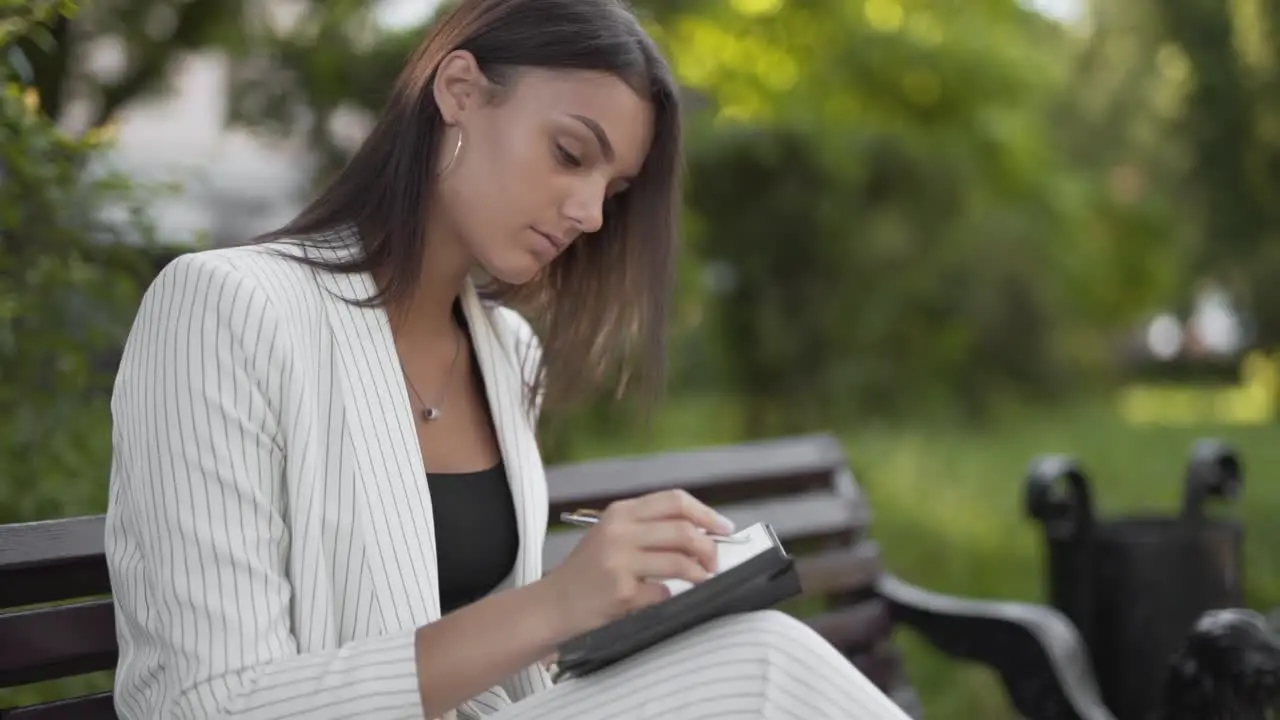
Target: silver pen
point(587, 518)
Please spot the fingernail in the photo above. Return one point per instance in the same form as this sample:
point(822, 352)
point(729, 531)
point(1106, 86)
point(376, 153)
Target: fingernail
point(724, 524)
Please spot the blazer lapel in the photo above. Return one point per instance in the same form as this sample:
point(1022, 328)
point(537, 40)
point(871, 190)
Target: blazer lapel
point(396, 515)
point(496, 355)
point(504, 385)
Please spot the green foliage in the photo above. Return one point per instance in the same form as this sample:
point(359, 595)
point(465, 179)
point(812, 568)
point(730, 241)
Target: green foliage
point(871, 293)
point(1228, 62)
point(982, 255)
point(332, 60)
point(919, 207)
point(67, 292)
point(21, 19)
point(902, 232)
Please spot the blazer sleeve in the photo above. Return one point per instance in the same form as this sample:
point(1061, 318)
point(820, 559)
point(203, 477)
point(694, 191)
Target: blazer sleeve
point(197, 529)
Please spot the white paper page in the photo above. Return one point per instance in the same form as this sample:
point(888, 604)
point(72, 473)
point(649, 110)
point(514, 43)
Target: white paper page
point(730, 555)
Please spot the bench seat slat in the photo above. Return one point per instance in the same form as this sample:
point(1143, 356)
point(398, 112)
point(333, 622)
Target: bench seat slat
point(882, 664)
point(56, 642)
point(853, 629)
point(847, 570)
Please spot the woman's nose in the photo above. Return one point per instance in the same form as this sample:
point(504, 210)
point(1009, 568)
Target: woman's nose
point(585, 208)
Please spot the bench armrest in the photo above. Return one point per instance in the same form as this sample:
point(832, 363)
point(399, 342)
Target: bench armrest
point(1036, 650)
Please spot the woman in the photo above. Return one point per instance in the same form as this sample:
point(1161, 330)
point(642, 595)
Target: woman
point(327, 498)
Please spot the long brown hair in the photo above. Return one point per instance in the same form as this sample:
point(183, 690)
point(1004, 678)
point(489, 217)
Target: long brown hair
point(600, 309)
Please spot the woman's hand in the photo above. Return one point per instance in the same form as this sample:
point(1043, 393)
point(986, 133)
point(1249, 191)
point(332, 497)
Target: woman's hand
point(618, 564)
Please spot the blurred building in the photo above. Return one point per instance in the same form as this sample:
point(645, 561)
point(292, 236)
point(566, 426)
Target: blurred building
point(230, 183)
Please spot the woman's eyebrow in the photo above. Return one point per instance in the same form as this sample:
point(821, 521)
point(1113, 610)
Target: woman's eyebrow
point(601, 136)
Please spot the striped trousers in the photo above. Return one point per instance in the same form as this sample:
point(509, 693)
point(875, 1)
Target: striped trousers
point(756, 665)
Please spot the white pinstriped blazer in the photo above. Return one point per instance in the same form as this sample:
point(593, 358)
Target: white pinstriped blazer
point(269, 531)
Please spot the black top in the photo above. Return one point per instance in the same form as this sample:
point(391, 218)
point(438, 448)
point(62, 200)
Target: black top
point(476, 535)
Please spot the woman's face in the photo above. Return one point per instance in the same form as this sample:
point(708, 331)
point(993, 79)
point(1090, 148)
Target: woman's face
point(536, 166)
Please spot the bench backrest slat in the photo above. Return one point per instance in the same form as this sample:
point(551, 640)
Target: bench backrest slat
point(56, 642)
point(718, 475)
point(52, 560)
point(89, 707)
point(802, 517)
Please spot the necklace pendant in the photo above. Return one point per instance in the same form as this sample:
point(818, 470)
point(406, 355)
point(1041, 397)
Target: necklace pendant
point(430, 413)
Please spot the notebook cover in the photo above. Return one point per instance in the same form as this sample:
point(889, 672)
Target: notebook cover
point(756, 584)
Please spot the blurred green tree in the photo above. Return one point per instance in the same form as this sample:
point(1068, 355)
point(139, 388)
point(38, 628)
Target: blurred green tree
point(69, 280)
point(986, 198)
point(293, 65)
point(1228, 56)
point(882, 181)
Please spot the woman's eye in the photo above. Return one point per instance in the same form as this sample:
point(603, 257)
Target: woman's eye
point(567, 157)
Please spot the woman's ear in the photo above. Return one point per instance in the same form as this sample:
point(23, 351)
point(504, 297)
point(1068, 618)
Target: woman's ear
point(459, 85)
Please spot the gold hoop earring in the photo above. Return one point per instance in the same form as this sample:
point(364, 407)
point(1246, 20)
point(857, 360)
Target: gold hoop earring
point(457, 148)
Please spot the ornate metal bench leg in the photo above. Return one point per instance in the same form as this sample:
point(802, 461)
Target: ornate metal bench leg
point(1035, 649)
point(1228, 668)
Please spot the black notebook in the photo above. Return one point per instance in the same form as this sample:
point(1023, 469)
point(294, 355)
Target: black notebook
point(752, 575)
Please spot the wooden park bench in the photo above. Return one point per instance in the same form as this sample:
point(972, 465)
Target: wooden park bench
point(803, 486)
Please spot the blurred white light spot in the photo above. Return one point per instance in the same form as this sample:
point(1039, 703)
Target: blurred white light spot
point(1215, 322)
point(1164, 336)
point(404, 14)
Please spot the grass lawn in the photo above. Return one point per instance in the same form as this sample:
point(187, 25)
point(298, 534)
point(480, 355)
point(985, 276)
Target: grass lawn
point(948, 512)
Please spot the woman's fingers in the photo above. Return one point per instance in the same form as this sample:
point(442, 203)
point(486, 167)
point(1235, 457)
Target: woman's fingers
point(649, 593)
point(668, 566)
point(619, 564)
point(673, 504)
point(677, 535)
